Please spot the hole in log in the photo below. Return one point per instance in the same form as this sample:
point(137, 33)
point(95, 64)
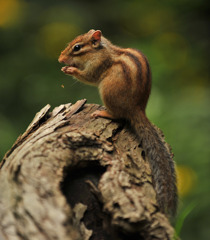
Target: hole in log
point(75, 187)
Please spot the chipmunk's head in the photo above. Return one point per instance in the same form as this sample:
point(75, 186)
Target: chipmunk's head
point(82, 51)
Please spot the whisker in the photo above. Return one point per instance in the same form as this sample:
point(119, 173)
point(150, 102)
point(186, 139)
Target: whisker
point(75, 82)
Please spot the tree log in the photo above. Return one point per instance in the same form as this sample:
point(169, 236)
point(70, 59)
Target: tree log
point(71, 176)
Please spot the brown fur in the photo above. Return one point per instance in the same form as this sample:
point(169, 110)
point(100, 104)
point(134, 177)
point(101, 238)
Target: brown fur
point(123, 77)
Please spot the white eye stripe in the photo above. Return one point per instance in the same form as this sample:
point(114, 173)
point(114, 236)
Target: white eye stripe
point(80, 49)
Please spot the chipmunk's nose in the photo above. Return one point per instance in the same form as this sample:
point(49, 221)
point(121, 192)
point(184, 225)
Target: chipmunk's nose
point(62, 59)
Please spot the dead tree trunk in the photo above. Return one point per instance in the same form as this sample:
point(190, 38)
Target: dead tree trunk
point(71, 177)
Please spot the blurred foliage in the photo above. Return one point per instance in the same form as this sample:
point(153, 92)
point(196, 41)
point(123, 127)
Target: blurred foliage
point(175, 37)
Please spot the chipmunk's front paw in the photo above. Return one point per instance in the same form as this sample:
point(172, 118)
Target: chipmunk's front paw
point(69, 70)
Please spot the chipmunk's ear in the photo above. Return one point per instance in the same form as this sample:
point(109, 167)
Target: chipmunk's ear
point(96, 38)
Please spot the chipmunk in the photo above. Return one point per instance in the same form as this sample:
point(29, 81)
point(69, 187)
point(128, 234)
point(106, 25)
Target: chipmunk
point(123, 78)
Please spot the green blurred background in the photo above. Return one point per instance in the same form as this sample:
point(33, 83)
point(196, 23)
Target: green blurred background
point(173, 34)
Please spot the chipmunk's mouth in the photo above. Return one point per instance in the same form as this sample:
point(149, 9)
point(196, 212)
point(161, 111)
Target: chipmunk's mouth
point(71, 65)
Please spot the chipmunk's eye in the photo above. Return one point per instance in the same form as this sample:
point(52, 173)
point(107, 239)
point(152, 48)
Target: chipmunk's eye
point(77, 48)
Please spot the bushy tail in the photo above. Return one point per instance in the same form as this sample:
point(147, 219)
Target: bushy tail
point(161, 163)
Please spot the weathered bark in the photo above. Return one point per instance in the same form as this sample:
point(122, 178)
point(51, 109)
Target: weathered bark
point(71, 176)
